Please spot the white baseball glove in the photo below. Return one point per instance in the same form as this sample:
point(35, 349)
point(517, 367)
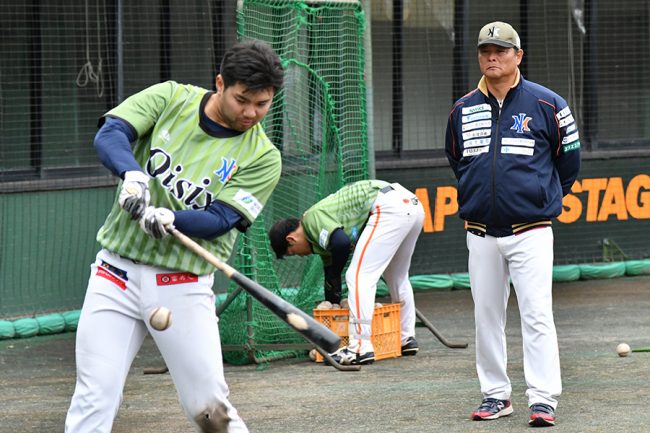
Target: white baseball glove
point(156, 221)
point(134, 195)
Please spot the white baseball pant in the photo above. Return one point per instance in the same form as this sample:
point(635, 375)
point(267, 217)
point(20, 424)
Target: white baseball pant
point(385, 247)
point(113, 325)
point(528, 260)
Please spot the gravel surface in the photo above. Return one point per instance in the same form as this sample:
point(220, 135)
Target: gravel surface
point(432, 392)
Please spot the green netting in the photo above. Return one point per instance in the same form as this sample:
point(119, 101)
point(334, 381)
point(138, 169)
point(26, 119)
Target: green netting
point(461, 280)
point(602, 270)
point(319, 123)
point(7, 329)
point(426, 282)
point(382, 289)
point(50, 324)
point(27, 327)
point(71, 319)
point(637, 267)
point(563, 273)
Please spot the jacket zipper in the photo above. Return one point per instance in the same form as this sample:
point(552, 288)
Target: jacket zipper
point(494, 164)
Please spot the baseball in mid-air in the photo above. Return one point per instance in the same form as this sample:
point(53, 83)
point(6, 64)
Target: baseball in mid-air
point(296, 321)
point(623, 349)
point(160, 318)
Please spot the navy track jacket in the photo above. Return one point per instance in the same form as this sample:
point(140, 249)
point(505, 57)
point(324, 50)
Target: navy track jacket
point(513, 163)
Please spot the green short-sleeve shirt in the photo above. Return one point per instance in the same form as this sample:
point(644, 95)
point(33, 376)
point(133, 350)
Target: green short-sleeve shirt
point(348, 209)
point(189, 169)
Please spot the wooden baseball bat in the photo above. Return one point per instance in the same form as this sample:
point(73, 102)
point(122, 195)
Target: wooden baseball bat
point(312, 330)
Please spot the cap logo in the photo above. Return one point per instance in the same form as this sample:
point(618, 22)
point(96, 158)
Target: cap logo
point(494, 32)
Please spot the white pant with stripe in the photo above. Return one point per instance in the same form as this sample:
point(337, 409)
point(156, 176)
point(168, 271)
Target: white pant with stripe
point(527, 259)
point(112, 328)
point(385, 247)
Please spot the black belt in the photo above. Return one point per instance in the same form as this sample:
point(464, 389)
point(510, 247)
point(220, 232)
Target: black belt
point(386, 189)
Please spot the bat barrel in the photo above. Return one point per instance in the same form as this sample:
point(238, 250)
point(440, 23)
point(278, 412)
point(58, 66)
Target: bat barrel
point(312, 330)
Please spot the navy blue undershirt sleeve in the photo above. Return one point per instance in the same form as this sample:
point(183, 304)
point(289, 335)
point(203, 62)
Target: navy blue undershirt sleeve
point(207, 224)
point(339, 246)
point(113, 146)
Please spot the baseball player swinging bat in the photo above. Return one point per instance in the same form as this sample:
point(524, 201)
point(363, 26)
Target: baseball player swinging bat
point(312, 330)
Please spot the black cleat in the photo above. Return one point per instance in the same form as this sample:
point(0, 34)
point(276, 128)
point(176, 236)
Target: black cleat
point(410, 348)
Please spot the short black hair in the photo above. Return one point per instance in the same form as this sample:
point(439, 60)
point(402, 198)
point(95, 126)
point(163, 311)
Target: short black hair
point(254, 64)
point(278, 235)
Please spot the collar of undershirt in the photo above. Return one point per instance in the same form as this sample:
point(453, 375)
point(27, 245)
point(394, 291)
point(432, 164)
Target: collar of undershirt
point(211, 127)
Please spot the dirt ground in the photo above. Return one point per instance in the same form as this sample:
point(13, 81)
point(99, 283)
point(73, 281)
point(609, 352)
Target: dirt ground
point(432, 392)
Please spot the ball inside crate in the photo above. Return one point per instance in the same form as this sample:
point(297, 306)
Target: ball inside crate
point(385, 329)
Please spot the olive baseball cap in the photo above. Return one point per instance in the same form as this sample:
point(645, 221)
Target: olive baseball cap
point(499, 33)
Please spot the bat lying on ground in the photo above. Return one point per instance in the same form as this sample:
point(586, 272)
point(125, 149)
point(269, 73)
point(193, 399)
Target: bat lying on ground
point(312, 330)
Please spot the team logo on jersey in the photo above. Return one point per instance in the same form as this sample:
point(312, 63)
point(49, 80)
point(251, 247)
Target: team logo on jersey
point(194, 194)
point(228, 168)
point(521, 123)
point(249, 202)
point(323, 237)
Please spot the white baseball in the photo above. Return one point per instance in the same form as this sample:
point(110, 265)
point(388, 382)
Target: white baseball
point(160, 318)
point(623, 349)
point(312, 355)
point(378, 305)
point(297, 321)
point(344, 303)
point(325, 305)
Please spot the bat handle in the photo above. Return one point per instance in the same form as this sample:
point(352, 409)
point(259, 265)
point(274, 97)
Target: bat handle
point(200, 251)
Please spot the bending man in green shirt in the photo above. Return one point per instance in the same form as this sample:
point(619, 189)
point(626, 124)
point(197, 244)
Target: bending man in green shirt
point(380, 223)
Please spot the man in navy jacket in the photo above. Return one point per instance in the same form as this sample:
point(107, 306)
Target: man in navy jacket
point(515, 150)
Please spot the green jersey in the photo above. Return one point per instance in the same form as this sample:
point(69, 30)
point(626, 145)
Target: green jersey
point(189, 169)
point(347, 209)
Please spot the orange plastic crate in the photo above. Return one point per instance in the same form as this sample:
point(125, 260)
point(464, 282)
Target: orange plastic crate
point(385, 329)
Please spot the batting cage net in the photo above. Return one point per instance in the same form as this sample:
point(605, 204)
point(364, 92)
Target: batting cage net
point(319, 123)
point(66, 63)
